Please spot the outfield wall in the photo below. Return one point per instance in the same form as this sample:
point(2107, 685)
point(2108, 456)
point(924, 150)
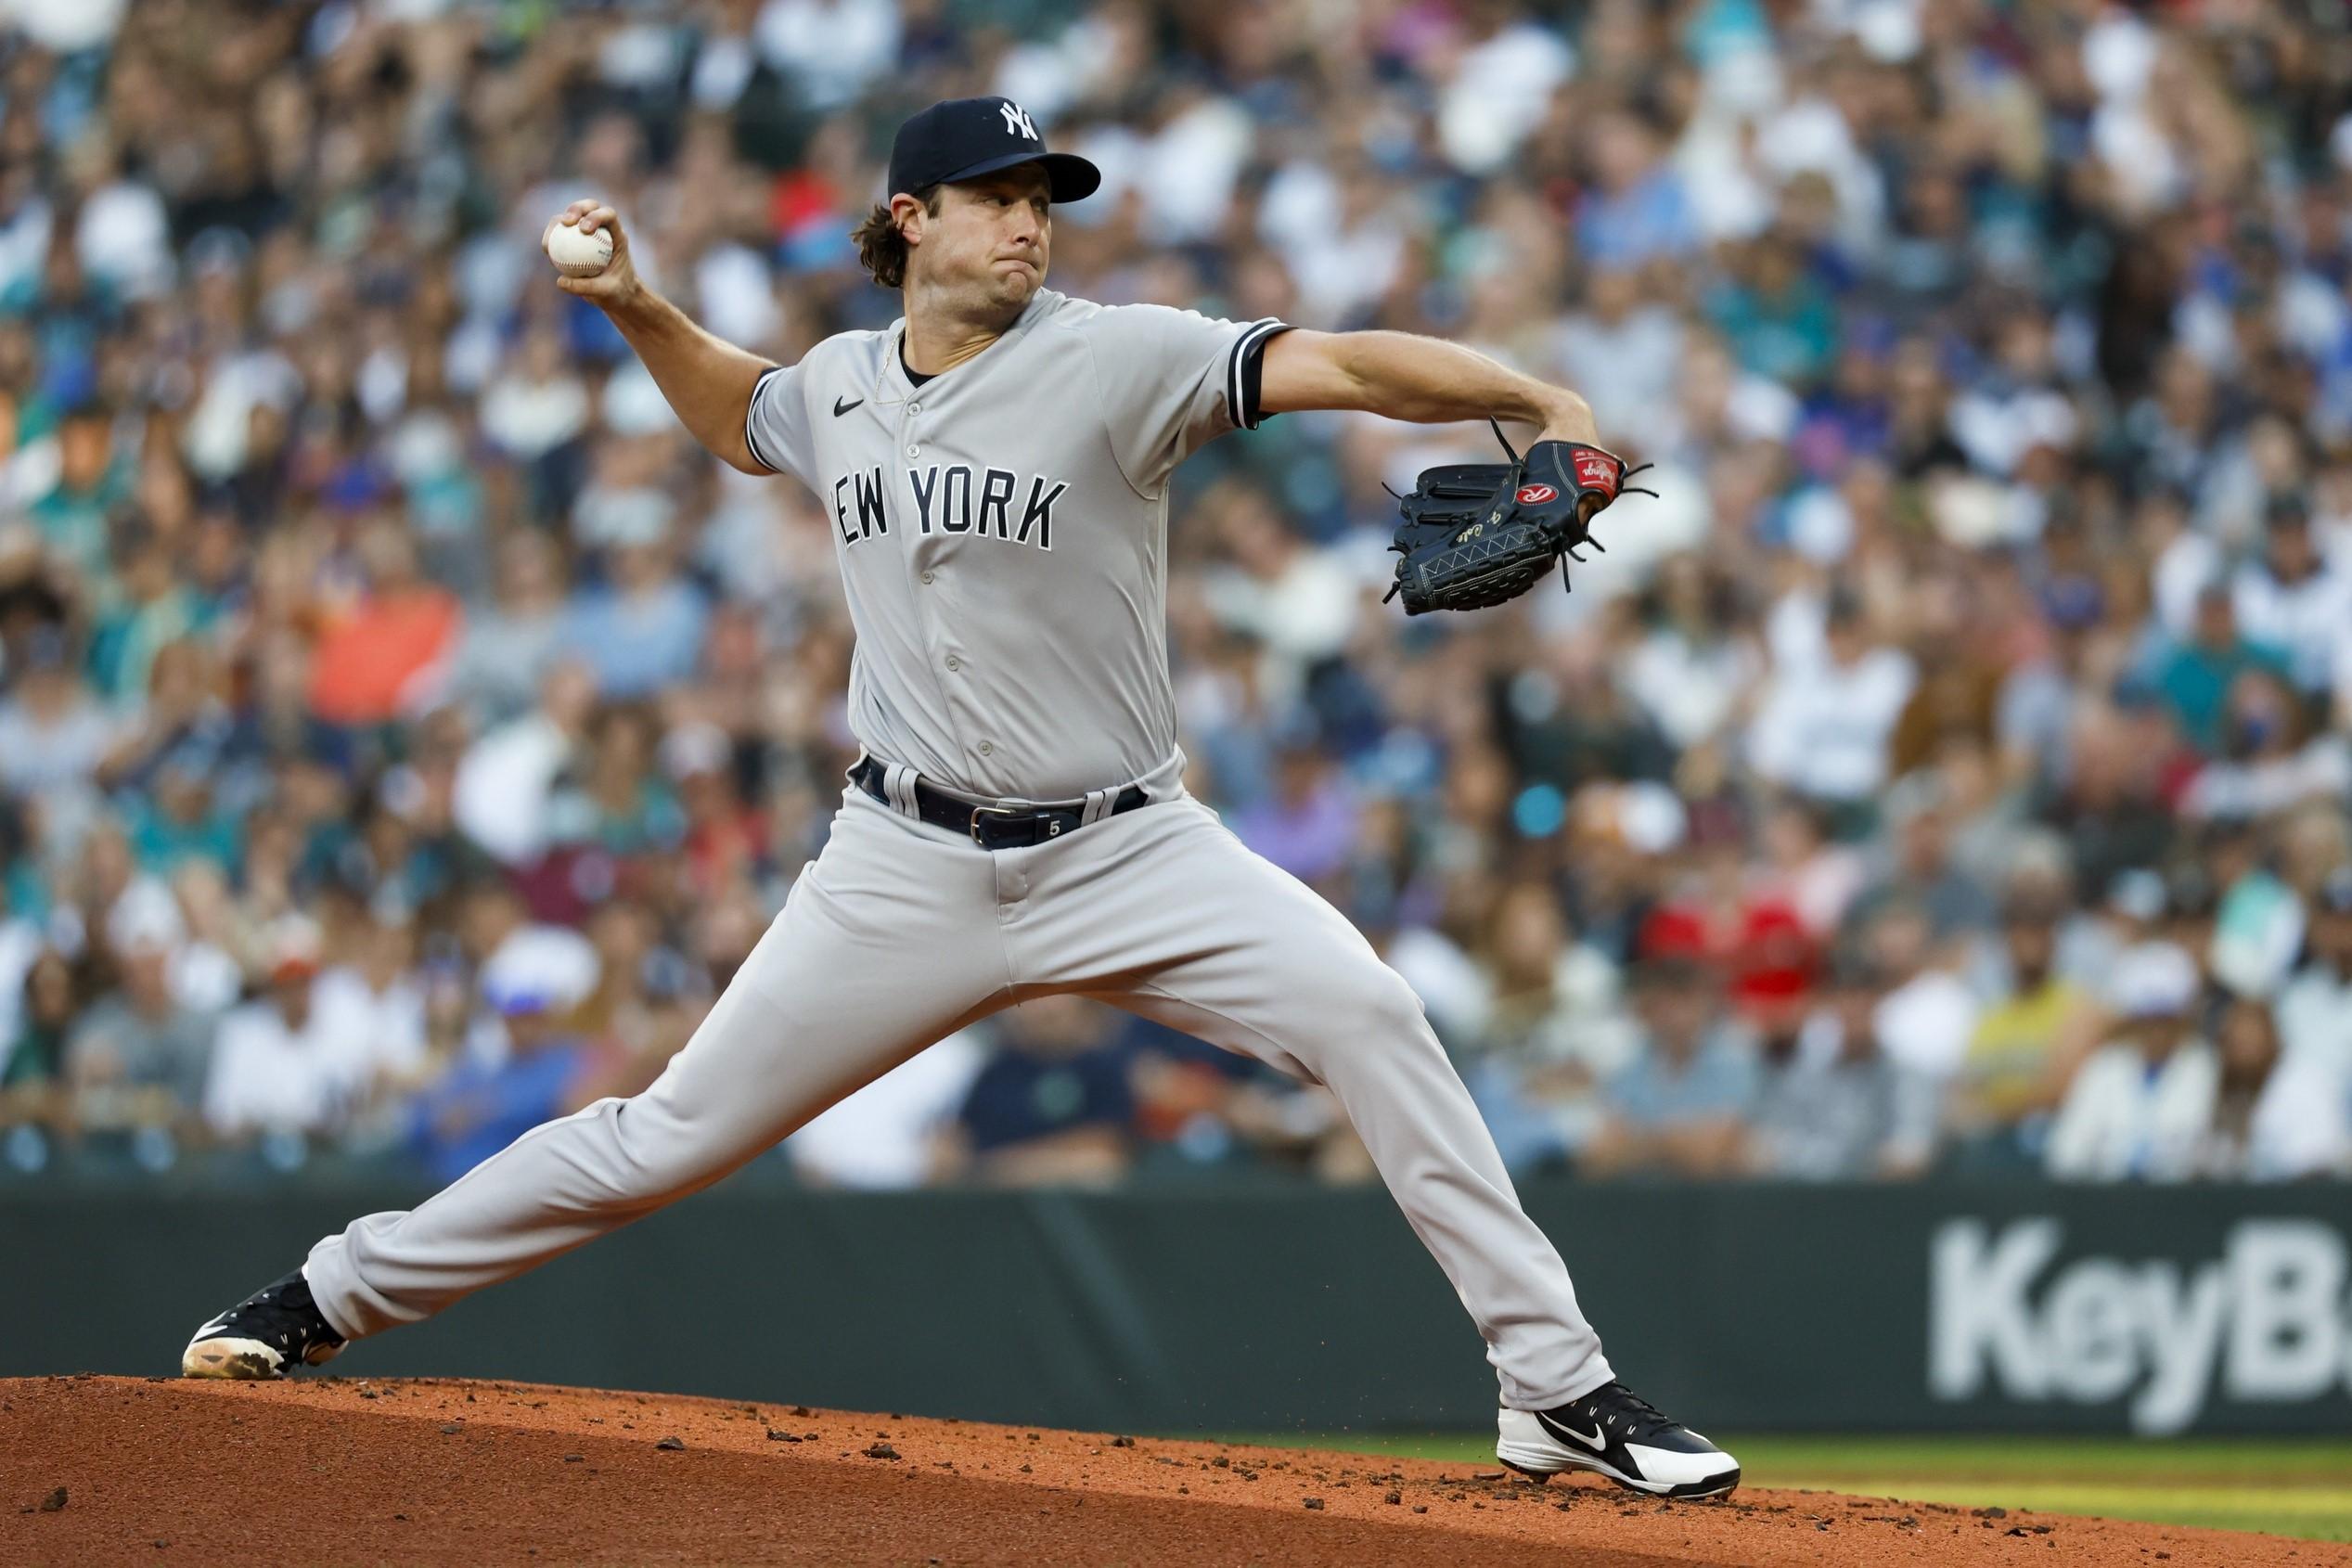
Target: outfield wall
point(1787, 1308)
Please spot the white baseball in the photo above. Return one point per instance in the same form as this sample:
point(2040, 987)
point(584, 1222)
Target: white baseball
point(577, 253)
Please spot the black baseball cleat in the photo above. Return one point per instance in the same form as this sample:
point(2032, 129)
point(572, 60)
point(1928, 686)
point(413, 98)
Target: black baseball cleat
point(1614, 1431)
point(263, 1335)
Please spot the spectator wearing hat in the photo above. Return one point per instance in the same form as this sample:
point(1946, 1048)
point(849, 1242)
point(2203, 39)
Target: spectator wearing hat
point(479, 1107)
point(2140, 1106)
point(1743, 926)
point(140, 1057)
point(276, 1067)
point(2291, 598)
point(553, 967)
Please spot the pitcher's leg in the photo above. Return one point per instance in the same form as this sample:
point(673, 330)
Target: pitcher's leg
point(870, 962)
point(1223, 945)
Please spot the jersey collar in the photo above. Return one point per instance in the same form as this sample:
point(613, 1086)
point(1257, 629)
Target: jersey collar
point(895, 387)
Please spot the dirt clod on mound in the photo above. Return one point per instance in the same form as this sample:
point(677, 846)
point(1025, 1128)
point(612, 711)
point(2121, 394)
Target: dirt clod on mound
point(237, 1474)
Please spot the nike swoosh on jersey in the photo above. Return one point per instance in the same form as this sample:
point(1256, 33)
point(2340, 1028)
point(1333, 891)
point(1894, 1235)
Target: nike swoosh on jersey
point(1593, 1442)
point(841, 408)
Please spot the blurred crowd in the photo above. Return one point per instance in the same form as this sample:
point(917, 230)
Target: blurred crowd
point(405, 731)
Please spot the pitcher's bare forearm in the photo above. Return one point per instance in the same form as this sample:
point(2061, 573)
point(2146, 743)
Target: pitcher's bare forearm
point(1405, 375)
point(707, 379)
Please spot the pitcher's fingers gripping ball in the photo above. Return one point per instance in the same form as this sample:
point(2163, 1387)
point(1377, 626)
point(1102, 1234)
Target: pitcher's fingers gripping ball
point(590, 251)
point(578, 252)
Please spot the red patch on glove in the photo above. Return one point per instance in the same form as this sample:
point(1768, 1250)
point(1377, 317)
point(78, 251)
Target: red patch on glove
point(1596, 469)
point(1535, 495)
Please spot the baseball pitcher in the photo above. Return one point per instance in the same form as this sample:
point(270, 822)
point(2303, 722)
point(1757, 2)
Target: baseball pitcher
point(995, 468)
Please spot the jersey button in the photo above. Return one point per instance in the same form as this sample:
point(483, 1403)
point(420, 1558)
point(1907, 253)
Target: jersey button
point(914, 451)
point(914, 408)
point(927, 579)
point(985, 749)
point(954, 662)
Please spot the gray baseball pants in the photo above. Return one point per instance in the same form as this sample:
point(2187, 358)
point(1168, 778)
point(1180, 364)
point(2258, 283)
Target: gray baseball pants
point(899, 933)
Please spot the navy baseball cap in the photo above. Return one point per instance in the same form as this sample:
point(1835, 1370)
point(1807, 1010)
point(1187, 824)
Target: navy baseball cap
point(964, 139)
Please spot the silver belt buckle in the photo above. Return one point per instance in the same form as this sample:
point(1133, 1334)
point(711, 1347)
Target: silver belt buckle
point(979, 811)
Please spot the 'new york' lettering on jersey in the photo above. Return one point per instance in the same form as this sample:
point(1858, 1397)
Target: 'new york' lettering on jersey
point(1002, 531)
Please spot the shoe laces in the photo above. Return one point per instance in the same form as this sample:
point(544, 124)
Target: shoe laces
point(297, 1324)
point(1619, 1407)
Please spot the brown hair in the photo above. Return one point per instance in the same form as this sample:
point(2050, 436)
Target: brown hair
point(881, 248)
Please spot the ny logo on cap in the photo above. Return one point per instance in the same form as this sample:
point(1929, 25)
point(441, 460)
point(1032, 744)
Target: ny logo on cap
point(1017, 119)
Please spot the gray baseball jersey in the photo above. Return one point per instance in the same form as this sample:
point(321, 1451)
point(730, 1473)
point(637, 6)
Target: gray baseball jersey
point(1002, 531)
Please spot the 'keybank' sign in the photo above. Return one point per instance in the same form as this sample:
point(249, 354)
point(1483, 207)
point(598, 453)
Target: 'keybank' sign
point(2265, 1322)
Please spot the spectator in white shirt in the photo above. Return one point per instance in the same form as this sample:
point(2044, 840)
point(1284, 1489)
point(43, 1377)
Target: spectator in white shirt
point(2143, 1106)
point(1823, 728)
point(372, 1014)
point(2303, 1125)
point(53, 733)
point(506, 778)
point(1927, 1014)
point(2292, 598)
point(829, 48)
point(275, 1068)
point(2268, 762)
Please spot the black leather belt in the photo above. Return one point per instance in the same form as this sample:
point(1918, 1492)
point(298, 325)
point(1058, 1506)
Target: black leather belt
point(992, 826)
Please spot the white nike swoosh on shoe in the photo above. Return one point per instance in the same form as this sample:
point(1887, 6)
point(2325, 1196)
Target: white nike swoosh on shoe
point(1595, 1442)
point(215, 1326)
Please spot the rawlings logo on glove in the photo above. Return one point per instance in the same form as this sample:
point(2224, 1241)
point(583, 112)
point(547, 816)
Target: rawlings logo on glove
point(1476, 534)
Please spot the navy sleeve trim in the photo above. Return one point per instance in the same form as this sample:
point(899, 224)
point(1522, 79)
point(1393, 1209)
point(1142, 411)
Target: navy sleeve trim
point(1246, 369)
point(750, 417)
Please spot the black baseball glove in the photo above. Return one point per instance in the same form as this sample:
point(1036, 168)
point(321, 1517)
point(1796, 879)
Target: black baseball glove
point(1476, 534)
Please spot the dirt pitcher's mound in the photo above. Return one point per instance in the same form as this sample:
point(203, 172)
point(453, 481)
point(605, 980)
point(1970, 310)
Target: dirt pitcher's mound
point(120, 1470)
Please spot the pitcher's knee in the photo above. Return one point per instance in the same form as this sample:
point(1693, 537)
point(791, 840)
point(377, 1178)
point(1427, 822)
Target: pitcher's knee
point(1381, 1016)
point(655, 1155)
point(1397, 1014)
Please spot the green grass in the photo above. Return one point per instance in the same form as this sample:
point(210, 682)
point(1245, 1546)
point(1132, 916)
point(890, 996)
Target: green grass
point(2282, 1488)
